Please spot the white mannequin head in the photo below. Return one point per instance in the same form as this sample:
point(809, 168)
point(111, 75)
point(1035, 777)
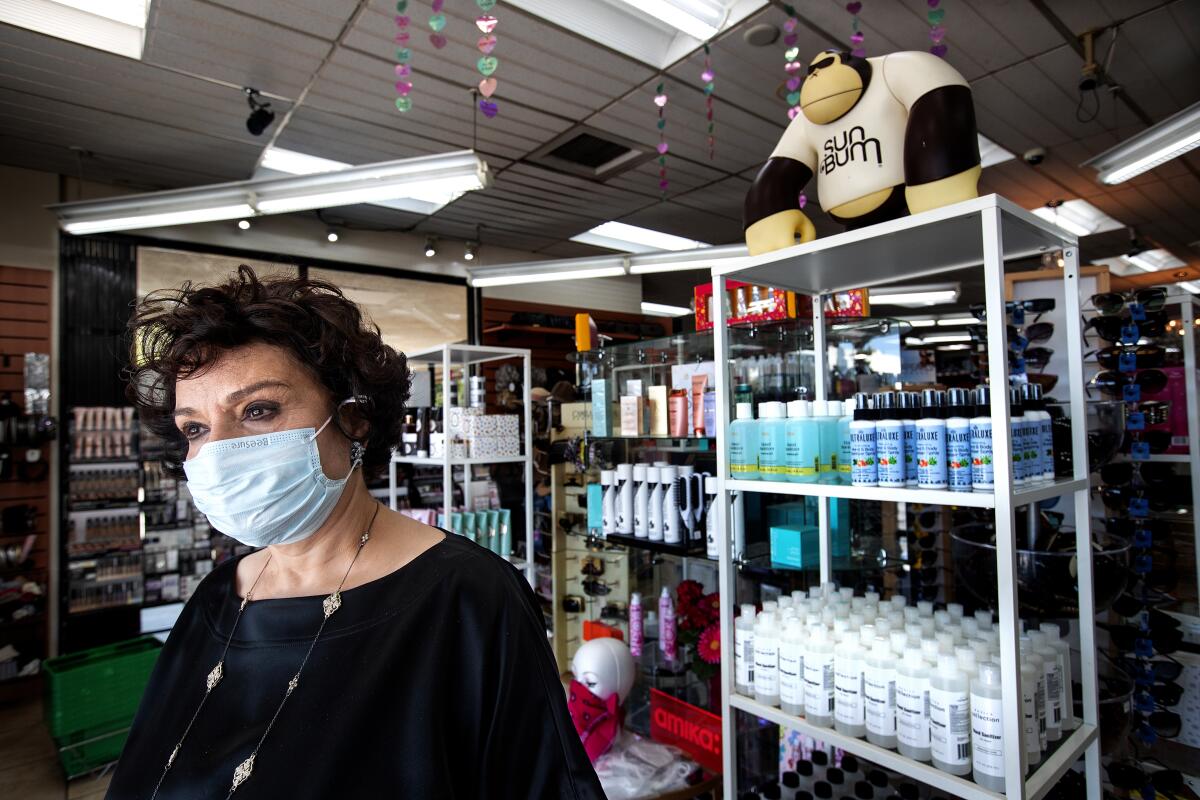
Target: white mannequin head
point(606, 667)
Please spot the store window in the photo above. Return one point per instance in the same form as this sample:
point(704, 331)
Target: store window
point(161, 268)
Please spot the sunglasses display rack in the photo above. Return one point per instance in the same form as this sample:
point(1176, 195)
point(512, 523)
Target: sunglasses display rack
point(446, 362)
point(980, 234)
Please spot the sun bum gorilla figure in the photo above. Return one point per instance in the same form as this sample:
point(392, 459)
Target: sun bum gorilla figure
point(885, 137)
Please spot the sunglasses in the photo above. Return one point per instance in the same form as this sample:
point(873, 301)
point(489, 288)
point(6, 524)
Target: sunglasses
point(1119, 498)
point(1124, 329)
point(596, 587)
point(1128, 358)
point(573, 604)
point(1152, 299)
point(1047, 382)
point(1166, 670)
point(824, 63)
point(1129, 777)
point(1018, 341)
point(1132, 639)
point(1158, 725)
point(1017, 308)
point(1119, 473)
point(1155, 441)
point(1164, 695)
point(592, 566)
point(1113, 384)
point(1037, 357)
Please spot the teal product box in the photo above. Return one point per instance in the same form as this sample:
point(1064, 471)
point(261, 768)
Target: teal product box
point(441, 521)
point(505, 532)
point(601, 408)
point(839, 528)
point(795, 513)
point(493, 523)
point(795, 546)
point(456, 523)
point(595, 507)
point(481, 530)
point(469, 531)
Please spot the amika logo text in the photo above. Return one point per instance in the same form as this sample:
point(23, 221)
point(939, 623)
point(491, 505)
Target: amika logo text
point(694, 730)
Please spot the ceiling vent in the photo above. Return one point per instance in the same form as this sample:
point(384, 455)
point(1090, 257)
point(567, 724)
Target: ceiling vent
point(590, 153)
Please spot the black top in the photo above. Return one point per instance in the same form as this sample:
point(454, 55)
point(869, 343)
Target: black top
point(435, 681)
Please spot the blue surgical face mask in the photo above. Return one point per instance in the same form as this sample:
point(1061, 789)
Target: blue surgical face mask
point(266, 489)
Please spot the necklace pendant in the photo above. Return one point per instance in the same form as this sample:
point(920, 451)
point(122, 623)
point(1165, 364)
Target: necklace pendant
point(215, 676)
point(332, 604)
point(171, 760)
point(293, 683)
point(242, 773)
point(365, 537)
point(242, 607)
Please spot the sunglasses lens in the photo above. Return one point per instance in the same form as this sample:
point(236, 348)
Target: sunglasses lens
point(1108, 302)
point(1152, 299)
point(1167, 670)
point(1116, 473)
point(1166, 724)
point(1039, 332)
point(1152, 380)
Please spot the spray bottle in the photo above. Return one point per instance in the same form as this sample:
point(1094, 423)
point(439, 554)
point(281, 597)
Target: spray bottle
point(889, 441)
point(862, 444)
point(624, 487)
point(666, 624)
point(931, 443)
point(654, 505)
point(958, 441)
point(636, 632)
point(982, 474)
point(672, 522)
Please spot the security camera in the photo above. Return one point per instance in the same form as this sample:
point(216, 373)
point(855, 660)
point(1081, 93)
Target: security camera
point(1034, 155)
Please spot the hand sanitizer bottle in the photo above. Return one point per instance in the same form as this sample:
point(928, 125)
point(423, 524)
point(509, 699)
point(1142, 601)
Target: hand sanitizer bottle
point(803, 443)
point(912, 706)
point(931, 443)
point(1067, 702)
point(879, 692)
point(862, 444)
point(950, 717)
point(849, 715)
point(766, 659)
point(791, 667)
point(743, 651)
point(889, 442)
point(772, 442)
point(828, 414)
point(987, 729)
point(845, 462)
point(818, 676)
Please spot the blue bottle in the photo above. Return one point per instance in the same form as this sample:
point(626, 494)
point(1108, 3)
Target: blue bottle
point(827, 416)
point(803, 443)
point(931, 443)
point(982, 474)
point(844, 460)
point(743, 444)
point(772, 442)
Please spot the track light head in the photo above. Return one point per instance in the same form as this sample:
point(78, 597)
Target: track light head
point(331, 236)
point(261, 115)
point(244, 224)
point(430, 246)
point(472, 250)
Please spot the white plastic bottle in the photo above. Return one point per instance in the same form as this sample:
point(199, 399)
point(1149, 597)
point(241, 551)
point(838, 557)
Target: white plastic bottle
point(1020, 443)
point(828, 415)
point(950, 717)
point(1030, 734)
point(772, 442)
point(879, 693)
point(672, 522)
point(654, 526)
point(849, 712)
point(863, 471)
point(931, 443)
point(1041, 433)
point(1054, 680)
point(958, 441)
point(609, 505)
point(1038, 665)
point(912, 706)
point(889, 442)
point(624, 487)
point(743, 651)
point(982, 473)
point(766, 659)
point(743, 444)
point(1054, 639)
point(818, 677)
point(791, 667)
point(641, 502)
point(711, 522)
point(987, 729)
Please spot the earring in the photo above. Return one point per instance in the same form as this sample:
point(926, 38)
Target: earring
point(357, 449)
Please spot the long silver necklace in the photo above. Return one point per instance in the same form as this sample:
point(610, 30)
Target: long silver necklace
point(329, 605)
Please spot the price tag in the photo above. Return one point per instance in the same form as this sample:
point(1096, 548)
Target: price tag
point(1127, 362)
point(1144, 702)
point(1142, 564)
point(1017, 366)
point(1131, 392)
point(1136, 421)
point(1143, 648)
point(1139, 507)
point(1018, 314)
point(1139, 451)
point(1142, 538)
point(1129, 334)
point(1137, 312)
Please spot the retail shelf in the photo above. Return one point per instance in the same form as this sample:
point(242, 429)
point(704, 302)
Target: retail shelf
point(1022, 496)
point(939, 240)
point(1166, 458)
point(696, 549)
point(464, 354)
point(544, 331)
point(420, 461)
point(1037, 784)
point(103, 505)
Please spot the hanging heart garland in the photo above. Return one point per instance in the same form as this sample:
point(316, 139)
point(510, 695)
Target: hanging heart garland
point(660, 100)
point(856, 35)
point(437, 24)
point(403, 69)
point(937, 31)
point(708, 77)
point(487, 63)
point(792, 65)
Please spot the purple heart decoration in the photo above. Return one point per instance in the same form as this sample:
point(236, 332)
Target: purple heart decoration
point(858, 52)
point(488, 108)
point(437, 40)
point(663, 184)
point(937, 33)
point(933, 3)
point(792, 112)
point(436, 5)
point(802, 200)
point(403, 87)
point(707, 76)
point(790, 24)
point(854, 7)
point(403, 20)
point(662, 148)
point(793, 84)
point(790, 39)
point(403, 70)
point(939, 50)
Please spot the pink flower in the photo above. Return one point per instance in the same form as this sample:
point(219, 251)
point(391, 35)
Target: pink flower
point(709, 647)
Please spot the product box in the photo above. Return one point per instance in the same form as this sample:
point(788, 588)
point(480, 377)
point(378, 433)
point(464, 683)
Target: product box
point(681, 378)
point(601, 412)
point(455, 425)
point(795, 514)
point(631, 415)
point(507, 424)
point(468, 529)
point(796, 547)
point(493, 523)
point(456, 523)
point(576, 416)
point(853, 303)
point(749, 303)
point(657, 410)
point(505, 526)
point(595, 508)
point(494, 447)
point(1176, 396)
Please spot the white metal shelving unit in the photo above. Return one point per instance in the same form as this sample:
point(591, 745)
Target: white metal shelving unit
point(980, 233)
point(465, 356)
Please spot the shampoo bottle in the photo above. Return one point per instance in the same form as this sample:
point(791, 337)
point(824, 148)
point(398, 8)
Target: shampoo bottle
point(987, 729)
point(666, 624)
point(743, 444)
point(931, 443)
point(766, 659)
point(889, 441)
point(772, 442)
point(654, 513)
point(862, 444)
point(625, 499)
point(641, 502)
point(803, 443)
point(982, 475)
point(958, 441)
point(607, 485)
point(743, 651)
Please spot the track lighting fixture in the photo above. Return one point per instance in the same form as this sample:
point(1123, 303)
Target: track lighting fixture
point(261, 115)
point(430, 246)
point(331, 236)
point(244, 224)
point(472, 249)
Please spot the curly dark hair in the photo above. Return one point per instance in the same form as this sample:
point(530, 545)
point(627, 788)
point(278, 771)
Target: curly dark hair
point(177, 332)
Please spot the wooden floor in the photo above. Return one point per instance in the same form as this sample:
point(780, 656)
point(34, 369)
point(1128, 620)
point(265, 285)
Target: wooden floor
point(29, 767)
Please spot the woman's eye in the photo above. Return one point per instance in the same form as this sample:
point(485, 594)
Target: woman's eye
point(191, 430)
point(258, 412)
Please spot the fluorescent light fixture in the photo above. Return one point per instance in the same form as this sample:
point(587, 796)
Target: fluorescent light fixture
point(940, 338)
point(1078, 217)
point(244, 224)
point(1154, 260)
point(991, 153)
point(1154, 146)
point(446, 175)
point(115, 26)
point(291, 162)
point(570, 269)
point(1190, 286)
point(921, 323)
point(915, 296)
point(675, 261)
point(632, 239)
point(700, 19)
point(946, 322)
point(914, 341)
point(662, 310)
point(955, 347)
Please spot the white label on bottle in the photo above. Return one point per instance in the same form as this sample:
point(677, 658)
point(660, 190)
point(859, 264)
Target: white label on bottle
point(982, 472)
point(950, 726)
point(912, 711)
point(1040, 708)
point(766, 665)
point(713, 549)
point(791, 674)
point(818, 684)
point(847, 688)
point(987, 735)
point(1046, 439)
point(1053, 694)
point(958, 455)
point(879, 693)
point(743, 656)
point(1029, 719)
point(889, 454)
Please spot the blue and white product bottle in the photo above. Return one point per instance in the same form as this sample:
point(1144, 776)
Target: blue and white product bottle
point(608, 482)
point(743, 444)
point(844, 460)
point(863, 471)
point(910, 403)
point(772, 442)
point(958, 441)
point(889, 442)
point(931, 443)
point(1041, 430)
point(803, 448)
point(827, 415)
point(982, 475)
point(1019, 444)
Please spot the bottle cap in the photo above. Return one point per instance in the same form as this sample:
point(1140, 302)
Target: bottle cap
point(748, 610)
point(862, 407)
point(710, 483)
point(639, 473)
point(866, 634)
point(989, 673)
point(881, 648)
point(930, 650)
point(899, 642)
point(653, 475)
point(930, 405)
point(798, 409)
point(848, 407)
point(947, 666)
point(957, 398)
point(966, 659)
point(984, 618)
point(913, 658)
point(955, 610)
point(1052, 630)
point(925, 608)
point(983, 401)
point(635, 598)
point(606, 477)
point(624, 472)
point(766, 410)
point(667, 474)
point(1016, 405)
point(745, 411)
point(770, 605)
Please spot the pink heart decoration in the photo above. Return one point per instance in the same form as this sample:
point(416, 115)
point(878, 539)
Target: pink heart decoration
point(663, 184)
point(660, 100)
point(792, 112)
point(487, 87)
point(793, 66)
point(403, 87)
point(854, 7)
point(436, 5)
point(402, 37)
point(486, 43)
point(487, 23)
point(790, 39)
point(857, 37)
point(488, 108)
point(403, 20)
point(662, 148)
point(403, 69)
point(793, 84)
point(859, 52)
point(437, 40)
point(707, 76)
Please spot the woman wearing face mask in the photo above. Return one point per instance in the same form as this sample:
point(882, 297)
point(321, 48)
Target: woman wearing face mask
point(357, 653)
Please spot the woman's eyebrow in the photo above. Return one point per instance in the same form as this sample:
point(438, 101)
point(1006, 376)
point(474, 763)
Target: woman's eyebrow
point(237, 395)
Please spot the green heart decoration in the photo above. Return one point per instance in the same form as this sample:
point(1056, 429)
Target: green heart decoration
point(485, 5)
point(403, 54)
point(401, 5)
point(936, 16)
point(662, 123)
point(437, 22)
point(487, 65)
point(791, 54)
point(403, 103)
point(793, 98)
point(709, 87)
